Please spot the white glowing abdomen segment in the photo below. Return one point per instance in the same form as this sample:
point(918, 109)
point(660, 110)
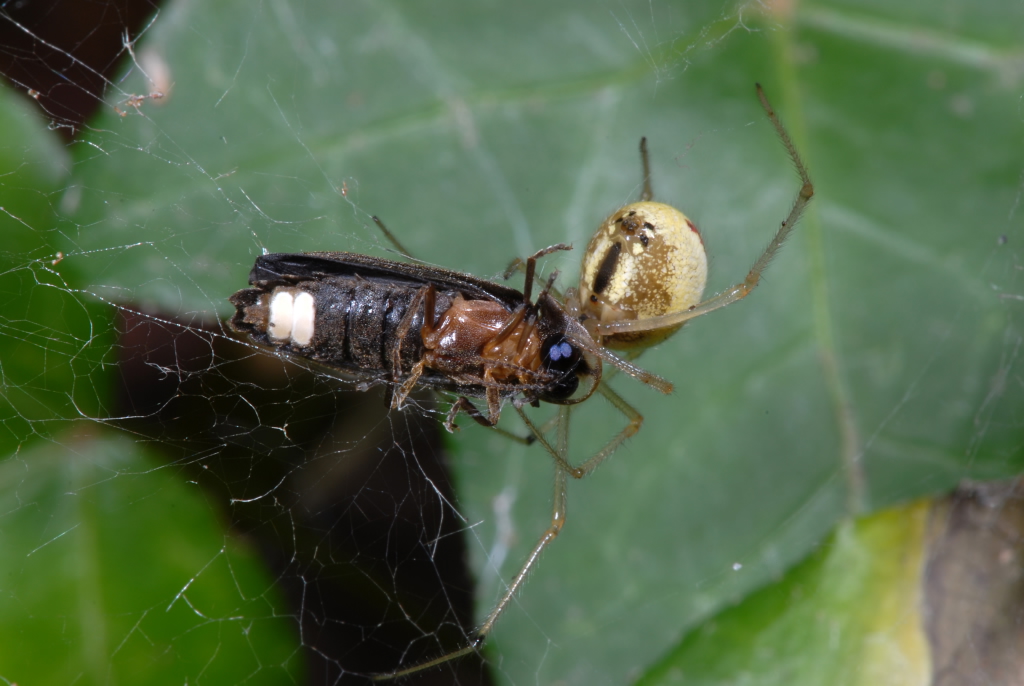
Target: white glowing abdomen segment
point(303, 316)
point(291, 316)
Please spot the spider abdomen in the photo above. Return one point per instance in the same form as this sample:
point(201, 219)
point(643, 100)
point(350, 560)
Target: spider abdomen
point(647, 259)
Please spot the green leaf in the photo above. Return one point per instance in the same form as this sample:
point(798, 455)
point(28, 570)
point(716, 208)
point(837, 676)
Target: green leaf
point(875, 363)
point(117, 571)
point(113, 570)
point(53, 342)
point(849, 615)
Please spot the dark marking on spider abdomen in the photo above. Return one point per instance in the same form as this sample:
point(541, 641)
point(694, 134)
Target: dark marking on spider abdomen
point(607, 268)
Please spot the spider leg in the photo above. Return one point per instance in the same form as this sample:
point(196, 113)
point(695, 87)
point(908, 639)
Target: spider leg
point(563, 419)
point(550, 534)
point(558, 511)
point(647, 193)
point(636, 420)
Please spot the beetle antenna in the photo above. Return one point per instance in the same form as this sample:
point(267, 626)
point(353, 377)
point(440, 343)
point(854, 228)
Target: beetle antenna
point(391, 237)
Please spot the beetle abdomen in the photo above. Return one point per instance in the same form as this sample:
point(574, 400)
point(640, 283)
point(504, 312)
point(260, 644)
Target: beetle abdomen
point(348, 322)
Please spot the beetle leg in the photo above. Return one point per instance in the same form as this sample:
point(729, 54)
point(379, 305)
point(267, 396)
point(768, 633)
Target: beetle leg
point(493, 405)
point(463, 404)
point(531, 265)
point(427, 296)
point(511, 324)
point(402, 392)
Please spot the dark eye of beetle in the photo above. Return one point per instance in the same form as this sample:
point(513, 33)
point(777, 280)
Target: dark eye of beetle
point(561, 358)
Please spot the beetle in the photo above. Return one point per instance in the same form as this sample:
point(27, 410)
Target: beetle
point(406, 324)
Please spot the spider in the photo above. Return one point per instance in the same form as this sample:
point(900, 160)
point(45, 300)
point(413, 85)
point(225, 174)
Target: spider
point(643, 276)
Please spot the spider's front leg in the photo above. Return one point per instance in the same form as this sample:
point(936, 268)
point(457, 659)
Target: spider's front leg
point(634, 421)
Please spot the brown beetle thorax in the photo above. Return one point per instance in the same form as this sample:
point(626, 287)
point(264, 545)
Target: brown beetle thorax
point(646, 260)
point(506, 343)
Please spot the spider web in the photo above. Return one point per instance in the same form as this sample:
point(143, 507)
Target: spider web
point(179, 498)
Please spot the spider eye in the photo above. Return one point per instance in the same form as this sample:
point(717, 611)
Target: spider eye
point(561, 358)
